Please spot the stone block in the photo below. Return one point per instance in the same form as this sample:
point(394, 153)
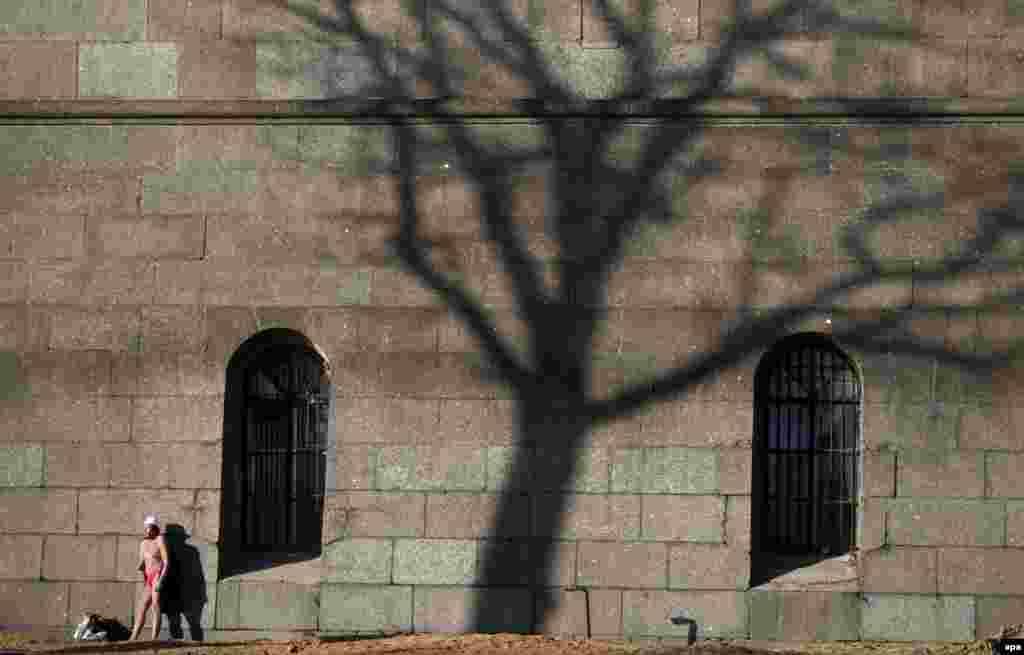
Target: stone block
point(354, 467)
point(207, 516)
point(677, 22)
point(517, 555)
point(276, 605)
point(362, 607)
point(167, 20)
point(385, 421)
point(1004, 474)
point(79, 557)
point(591, 469)
point(112, 282)
point(1015, 523)
point(106, 598)
point(879, 474)
point(917, 618)
point(483, 421)
point(500, 460)
point(77, 465)
point(13, 327)
point(205, 187)
point(120, 511)
point(991, 571)
point(172, 328)
point(194, 465)
point(37, 511)
point(413, 374)
point(248, 19)
point(473, 516)
point(698, 423)
point(35, 603)
point(21, 466)
point(38, 70)
point(430, 468)
point(737, 520)
point(374, 514)
point(178, 282)
point(945, 522)
point(157, 237)
point(617, 564)
point(358, 560)
point(683, 518)
point(718, 614)
point(92, 20)
point(991, 68)
point(21, 557)
point(804, 616)
point(115, 329)
point(440, 609)
point(569, 617)
point(143, 465)
point(173, 418)
point(708, 566)
point(396, 288)
point(435, 561)
point(168, 373)
point(126, 559)
point(665, 471)
point(128, 70)
point(72, 373)
point(993, 613)
point(589, 516)
point(904, 427)
point(950, 473)
point(900, 570)
point(734, 470)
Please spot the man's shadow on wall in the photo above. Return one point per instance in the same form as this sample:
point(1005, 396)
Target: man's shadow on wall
point(186, 593)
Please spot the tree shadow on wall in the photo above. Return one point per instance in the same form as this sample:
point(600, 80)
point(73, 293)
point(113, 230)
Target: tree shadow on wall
point(623, 143)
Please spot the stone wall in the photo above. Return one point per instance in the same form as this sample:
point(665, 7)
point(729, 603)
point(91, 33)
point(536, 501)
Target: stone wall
point(137, 255)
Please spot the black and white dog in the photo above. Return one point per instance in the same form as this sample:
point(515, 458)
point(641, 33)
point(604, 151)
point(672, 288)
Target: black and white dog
point(100, 628)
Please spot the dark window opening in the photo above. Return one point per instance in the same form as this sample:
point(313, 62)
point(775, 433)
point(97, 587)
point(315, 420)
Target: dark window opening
point(806, 456)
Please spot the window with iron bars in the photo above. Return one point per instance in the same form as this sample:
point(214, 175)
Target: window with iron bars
point(283, 460)
point(806, 449)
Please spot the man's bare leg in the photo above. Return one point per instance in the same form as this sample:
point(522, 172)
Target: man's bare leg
point(157, 615)
point(140, 615)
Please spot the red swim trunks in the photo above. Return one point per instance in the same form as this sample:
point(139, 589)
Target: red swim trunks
point(151, 575)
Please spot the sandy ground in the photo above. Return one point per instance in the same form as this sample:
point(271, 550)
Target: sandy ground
point(500, 644)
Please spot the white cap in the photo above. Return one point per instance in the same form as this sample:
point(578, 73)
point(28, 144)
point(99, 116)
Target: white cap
point(150, 520)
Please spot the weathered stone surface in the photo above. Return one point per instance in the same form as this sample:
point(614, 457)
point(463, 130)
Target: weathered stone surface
point(431, 468)
point(618, 564)
point(708, 566)
point(665, 470)
point(115, 329)
point(38, 70)
point(917, 618)
point(111, 282)
point(1004, 474)
point(980, 570)
point(358, 560)
point(170, 373)
point(120, 511)
point(591, 516)
point(993, 613)
point(37, 511)
point(167, 20)
point(954, 473)
point(92, 20)
point(149, 236)
point(374, 514)
point(435, 561)
point(21, 466)
point(696, 423)
point(717, 614)
point(734, 470)
point(569, 618)
point(35, 603)
point(207, 516)
point(946, 522)
point(472, 516)
point(900, 570)
point(365, 607)
point(21, 557)
point(79, 557)
point(128, 70)
point(439, 609)
point(272, 605)
point(683, 518)
point(385, 421)
point(675, 21)
point(737, 520)
point(521, 571)
point(804, 616)
point(879, 474)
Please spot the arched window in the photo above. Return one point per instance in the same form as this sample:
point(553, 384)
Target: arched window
point(277, 428)
point(806, 450)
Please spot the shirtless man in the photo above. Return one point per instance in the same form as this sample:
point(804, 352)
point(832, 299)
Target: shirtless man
point(154, 563)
